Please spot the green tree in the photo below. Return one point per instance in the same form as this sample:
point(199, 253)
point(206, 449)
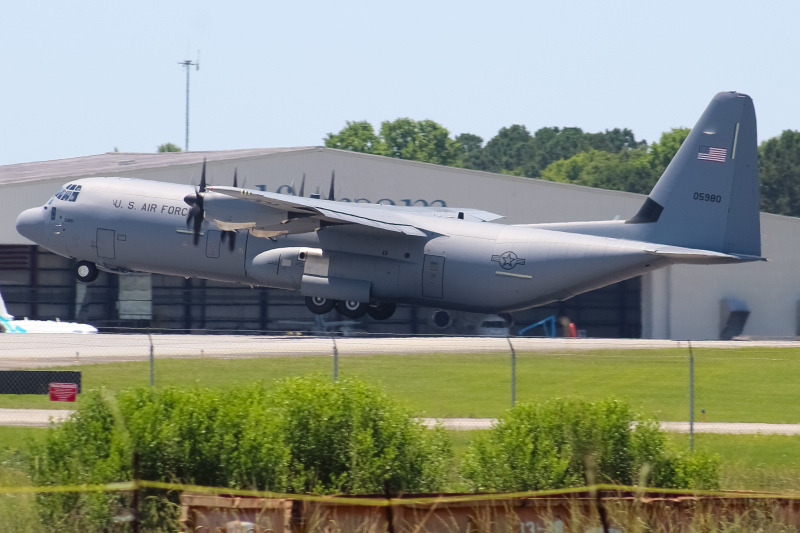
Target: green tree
point(470, 143)
point(423, 140)
point(515, 151)
point(474, 155)
point(512, 151)
point(404, 138)
point(167, 147)
point(552, 144)
point(779, 168)
point(614, 140)
point(357, 137)
point(625, 171)
point(634, 169)
point(662, 152)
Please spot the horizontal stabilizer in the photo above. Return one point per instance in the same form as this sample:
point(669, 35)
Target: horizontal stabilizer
point(692, 255)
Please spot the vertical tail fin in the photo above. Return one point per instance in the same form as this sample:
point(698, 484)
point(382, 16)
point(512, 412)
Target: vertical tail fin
point(3, 310)
point(708, 196)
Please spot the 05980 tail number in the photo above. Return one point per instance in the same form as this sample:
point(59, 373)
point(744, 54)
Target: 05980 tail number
point(706, 197)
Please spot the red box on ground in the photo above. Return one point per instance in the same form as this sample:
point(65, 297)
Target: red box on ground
point(63, 392)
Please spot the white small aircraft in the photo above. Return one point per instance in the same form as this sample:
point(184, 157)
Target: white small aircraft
point(9, 325)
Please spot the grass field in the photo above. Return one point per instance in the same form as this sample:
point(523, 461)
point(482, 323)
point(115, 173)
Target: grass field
point(738, 385)
point(744, 385)
point(18, 438)
point(753, 462)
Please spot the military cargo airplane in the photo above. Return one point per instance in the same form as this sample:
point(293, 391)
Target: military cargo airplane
point(366, 258)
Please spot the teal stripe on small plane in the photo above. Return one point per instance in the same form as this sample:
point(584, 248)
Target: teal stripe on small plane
point(9, 327)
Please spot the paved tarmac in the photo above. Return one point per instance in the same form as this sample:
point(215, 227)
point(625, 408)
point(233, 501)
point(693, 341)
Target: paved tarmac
point(732, 428)
point(43, 418)
point(40, 350)
point(32, 418)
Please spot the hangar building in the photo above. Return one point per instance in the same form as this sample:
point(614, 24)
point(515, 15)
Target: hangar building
point(679, 302)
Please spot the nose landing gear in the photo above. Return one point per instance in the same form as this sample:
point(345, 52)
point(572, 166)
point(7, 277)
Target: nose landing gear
point(85, 271)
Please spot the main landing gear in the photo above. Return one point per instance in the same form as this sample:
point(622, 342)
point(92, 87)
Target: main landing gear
point(85, 271)
point(350, 309)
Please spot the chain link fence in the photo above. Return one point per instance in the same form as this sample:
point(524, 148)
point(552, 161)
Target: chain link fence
point(738, 399)
point(466, 382)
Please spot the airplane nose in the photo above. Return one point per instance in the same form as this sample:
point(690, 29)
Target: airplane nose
point(30, 224)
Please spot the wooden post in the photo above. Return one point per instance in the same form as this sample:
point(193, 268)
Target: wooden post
point(135, 498)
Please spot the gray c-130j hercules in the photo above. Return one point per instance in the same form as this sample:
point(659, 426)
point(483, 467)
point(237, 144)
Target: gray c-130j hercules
point(366, 258)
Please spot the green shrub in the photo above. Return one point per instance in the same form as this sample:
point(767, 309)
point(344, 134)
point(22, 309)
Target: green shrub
point(567, 443)
point(306, 435)
point(350, 437)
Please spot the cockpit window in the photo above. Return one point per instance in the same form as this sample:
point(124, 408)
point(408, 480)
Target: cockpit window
point(69, 194)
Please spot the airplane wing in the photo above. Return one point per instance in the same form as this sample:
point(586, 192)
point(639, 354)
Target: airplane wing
point(401, 219)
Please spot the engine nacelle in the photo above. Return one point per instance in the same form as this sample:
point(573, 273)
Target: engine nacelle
point(333, 275)
point(280, 267)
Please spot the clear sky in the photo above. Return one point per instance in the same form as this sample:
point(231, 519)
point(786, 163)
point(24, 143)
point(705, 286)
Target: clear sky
point(85, 77)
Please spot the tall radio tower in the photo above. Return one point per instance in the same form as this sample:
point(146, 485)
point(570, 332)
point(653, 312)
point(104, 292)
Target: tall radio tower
point(187, 65)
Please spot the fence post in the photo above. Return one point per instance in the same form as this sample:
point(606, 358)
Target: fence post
point(152, 361)
point(691, 397)
point(335, 360)
point(513, 372)
point(135, 497)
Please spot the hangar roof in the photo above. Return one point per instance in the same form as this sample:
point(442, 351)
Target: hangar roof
point(111, 163)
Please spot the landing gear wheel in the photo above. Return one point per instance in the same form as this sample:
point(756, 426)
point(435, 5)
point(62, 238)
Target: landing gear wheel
point(85, 271)
point(381, 311)
point(352, 310)
point(319, 306)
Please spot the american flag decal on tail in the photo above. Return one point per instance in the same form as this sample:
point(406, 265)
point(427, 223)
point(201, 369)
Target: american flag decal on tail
point(709, 153)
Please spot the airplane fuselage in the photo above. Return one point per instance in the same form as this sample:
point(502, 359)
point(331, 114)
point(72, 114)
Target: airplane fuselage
point(127, 225)
point(43, 326)
point(366, 258)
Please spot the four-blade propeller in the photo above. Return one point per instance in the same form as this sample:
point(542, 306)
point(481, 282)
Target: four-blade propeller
point(197, 214)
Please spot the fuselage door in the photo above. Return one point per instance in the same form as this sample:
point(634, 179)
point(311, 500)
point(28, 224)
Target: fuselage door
point(212, 243)
point(433, 276)
point(105, 243)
